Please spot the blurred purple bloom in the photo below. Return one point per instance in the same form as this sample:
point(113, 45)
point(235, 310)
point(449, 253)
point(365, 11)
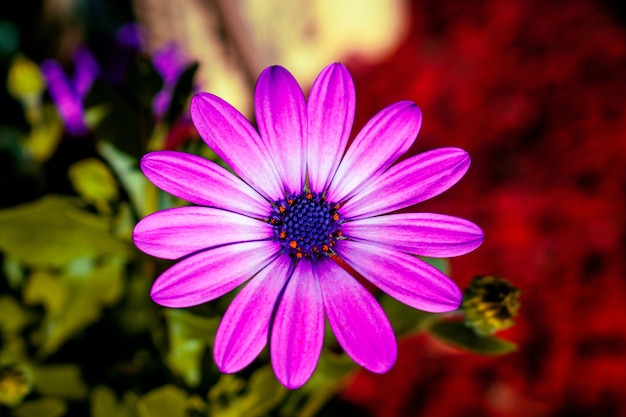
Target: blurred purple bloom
point(299, 202)
point(117, 55)
point(170, 63)
point(68, 94)
point(129, 35)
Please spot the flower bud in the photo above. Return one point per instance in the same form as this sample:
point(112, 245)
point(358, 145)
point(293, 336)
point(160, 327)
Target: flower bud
point(490, 304)
point(15, 384)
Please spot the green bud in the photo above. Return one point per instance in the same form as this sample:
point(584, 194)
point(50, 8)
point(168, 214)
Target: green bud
point(15, 384)
point(490, 304)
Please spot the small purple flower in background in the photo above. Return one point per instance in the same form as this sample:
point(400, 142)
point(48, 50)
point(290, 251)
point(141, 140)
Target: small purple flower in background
point(301, 199)
point(170, 63)
point(117, 56)
point(68, 94)
point(129, 36)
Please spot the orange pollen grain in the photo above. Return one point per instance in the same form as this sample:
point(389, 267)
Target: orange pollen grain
point(335, 217)
point(283, 234)
point(299, 255)
point(282, 209)
point(293, 244)
point(309, 196)
point(325, 248)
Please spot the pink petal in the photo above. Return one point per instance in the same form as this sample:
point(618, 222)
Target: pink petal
point(203, 182)
point(281, 116)
point(232, 138)
point(177, 232)
point(425, 234)
point(243, 332)
point(384, 138)
point(410, 182)
point(330, 116)
point(210, 274)
point(358, 321)
point(298, 329)
point(403, 277)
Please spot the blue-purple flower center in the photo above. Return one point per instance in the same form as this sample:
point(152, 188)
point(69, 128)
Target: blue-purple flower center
point(306, 225)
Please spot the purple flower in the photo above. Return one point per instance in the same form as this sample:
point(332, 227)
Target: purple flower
point(300, 200)
point(68, 94)
point(170, 63)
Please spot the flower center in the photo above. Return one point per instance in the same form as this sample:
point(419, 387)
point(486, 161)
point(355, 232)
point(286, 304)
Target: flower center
point(306, 225)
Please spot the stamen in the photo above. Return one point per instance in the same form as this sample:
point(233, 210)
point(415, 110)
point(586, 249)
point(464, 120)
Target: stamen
point(306, 225)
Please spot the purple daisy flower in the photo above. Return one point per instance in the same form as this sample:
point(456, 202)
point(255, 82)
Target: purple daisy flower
point(300, 201)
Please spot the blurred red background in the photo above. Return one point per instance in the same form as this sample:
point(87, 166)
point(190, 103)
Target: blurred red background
point(535, 91)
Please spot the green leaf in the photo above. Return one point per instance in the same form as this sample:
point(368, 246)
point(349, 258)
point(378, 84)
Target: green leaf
point(43, 407)
point(185, 358)
point(53, 231)
point(45, 288)
point(73, 298)
point(442, 264)
point(404, 319)
point(45, 134)
point(127, 171)
point(60, 381)
point(458, 334)
point(329, 378)
point(13, 317)
point(104, 404)
point(96, 114)
point(182, 323)
point(24, 80)
point(166, 401)
point(189, 336)
point(94, 182)
point(225, 391)
point(14, 272)
point(262, 394)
